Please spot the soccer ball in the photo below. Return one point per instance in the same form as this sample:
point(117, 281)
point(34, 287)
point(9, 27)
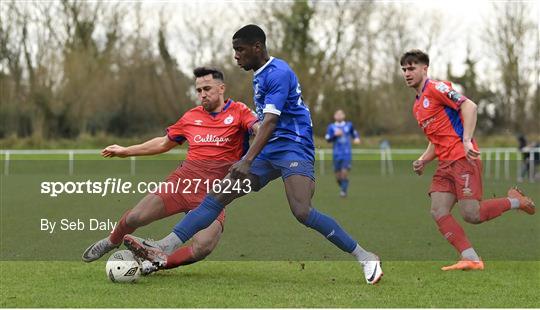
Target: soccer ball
point(122, 266)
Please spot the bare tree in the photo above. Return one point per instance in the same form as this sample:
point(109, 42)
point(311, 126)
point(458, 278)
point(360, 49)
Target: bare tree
point(507, 39)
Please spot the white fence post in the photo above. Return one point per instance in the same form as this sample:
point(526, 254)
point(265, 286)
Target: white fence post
point(487, 171)
point(390, 162)
point(497, 164)
point(321, 162)
point(518, 166)
point(506, 165)
point(383, 162)
point(71, 162)
point(132, 166)
point(6, 164)
point(531, 166)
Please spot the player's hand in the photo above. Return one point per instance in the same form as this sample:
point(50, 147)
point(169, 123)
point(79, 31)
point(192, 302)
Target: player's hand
point(418, 166)
point(240, 169)
point(114, 151)
point(356, 141)
point(338, 132)
point(470, 152)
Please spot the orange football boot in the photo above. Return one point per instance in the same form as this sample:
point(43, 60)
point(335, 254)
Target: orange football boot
point(526, 204)
point(465, 264)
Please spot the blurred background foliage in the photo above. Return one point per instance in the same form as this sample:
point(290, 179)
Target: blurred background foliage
point(93, 72)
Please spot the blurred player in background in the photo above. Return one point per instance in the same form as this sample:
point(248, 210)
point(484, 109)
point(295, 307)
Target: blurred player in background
point(448, 120)
point(283, 147)
point(217, 132)
point(341, 133)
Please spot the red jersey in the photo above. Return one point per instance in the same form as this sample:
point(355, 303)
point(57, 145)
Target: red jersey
point(438, 113)
point(221, 136)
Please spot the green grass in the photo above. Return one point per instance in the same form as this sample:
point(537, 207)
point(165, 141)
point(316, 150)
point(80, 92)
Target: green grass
point(271, 284)
point(259, 260)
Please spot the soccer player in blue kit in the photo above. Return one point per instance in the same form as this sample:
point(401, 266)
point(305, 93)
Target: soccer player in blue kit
point(340, 133)
point(282, 148)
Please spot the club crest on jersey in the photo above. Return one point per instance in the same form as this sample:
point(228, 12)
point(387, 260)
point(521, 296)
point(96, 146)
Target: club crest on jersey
point(198, 122)
point(425, 104)
point(228, 120)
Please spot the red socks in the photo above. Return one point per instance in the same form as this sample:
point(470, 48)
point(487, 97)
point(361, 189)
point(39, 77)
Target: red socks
point(451, 230)
point(491, 208)
point(182, 256)
point(121, 229)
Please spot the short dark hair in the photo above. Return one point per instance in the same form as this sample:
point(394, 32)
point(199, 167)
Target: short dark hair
point(251, 34)
point(204, 71)
point(414, 56)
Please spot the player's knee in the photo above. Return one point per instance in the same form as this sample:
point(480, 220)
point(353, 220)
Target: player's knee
point(301, 214)
point(133, 219)
point(472, 218)
point(437, 213)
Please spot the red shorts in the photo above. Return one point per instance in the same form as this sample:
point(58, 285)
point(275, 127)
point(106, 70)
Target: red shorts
point(180, 193)
point(462, 178)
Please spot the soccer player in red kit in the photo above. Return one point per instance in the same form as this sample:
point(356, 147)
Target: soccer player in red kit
point(448, 120)
point(217, 132)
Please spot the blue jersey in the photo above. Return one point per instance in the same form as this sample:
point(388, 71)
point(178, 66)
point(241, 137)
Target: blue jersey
point(342, 144)
point(277, 91)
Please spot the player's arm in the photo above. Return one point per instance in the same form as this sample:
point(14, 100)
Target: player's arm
point(457, 101)
point(329, 136)
point(424, 159)
point(269, 123)
point(154, 146)
point(356, 136)
point(255, 128)
point(469, 114)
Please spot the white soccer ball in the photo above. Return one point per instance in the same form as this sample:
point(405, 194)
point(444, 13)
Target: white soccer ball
point(122, 266)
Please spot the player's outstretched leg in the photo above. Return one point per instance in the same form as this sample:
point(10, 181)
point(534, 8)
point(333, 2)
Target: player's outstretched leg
point(476, 212)
point(299, 190)
point(203, 243)
point(154, 258)
point(205, 214)
point(149, 209)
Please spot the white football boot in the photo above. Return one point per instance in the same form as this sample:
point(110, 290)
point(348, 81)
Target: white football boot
point(98, 249)
point(372, 269)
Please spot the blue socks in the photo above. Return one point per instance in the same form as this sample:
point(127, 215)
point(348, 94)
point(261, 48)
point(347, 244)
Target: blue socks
point(329, 228)
point(198, 218)
point(344, 184)
point(209, 209)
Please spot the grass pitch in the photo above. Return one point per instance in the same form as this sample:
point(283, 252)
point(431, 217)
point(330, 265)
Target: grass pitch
point(271, 284)
point(265, 258)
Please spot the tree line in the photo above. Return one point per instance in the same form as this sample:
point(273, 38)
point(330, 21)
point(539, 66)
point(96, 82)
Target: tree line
point(69, 68)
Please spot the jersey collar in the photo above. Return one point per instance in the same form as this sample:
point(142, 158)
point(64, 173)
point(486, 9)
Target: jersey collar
point(227, 105)
point(423, 88)
point(342, 123)
point(264, 66)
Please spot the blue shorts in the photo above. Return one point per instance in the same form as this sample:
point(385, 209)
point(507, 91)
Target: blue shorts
point(283, 158)
point(342, 163)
